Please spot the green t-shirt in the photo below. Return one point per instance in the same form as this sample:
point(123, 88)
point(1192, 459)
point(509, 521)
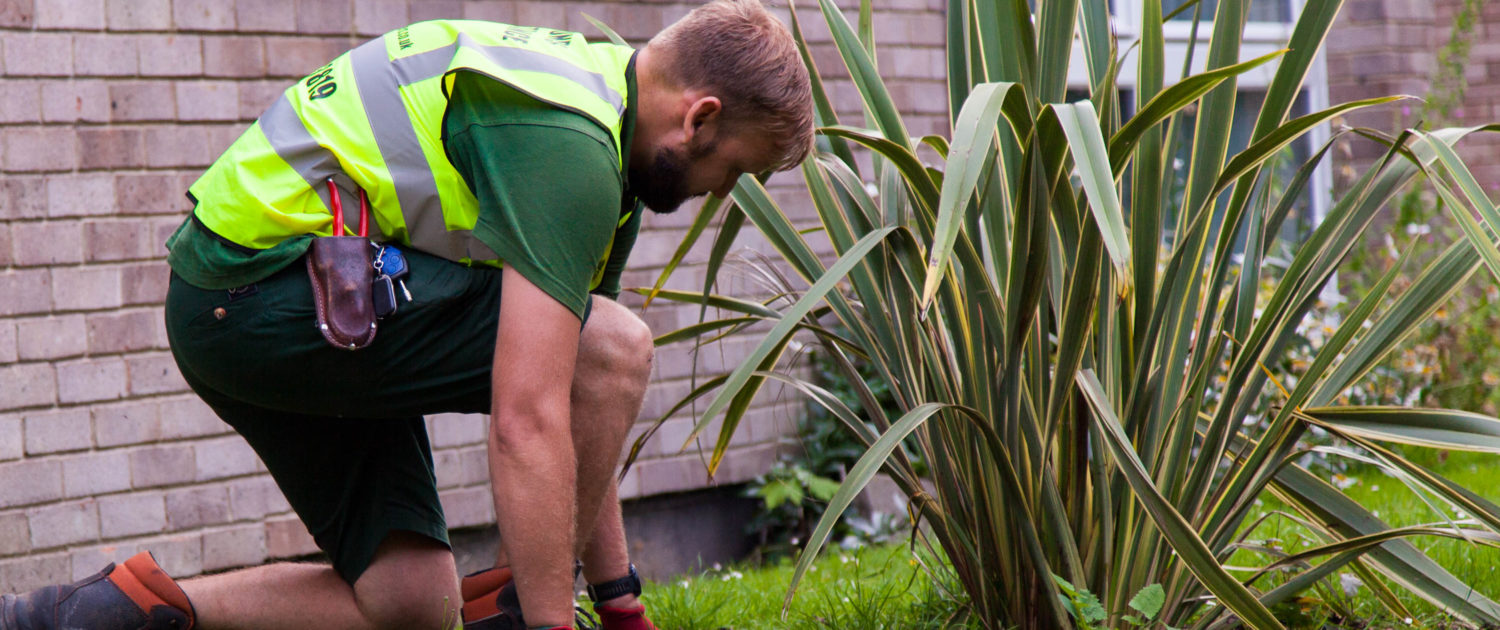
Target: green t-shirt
point(550, 198)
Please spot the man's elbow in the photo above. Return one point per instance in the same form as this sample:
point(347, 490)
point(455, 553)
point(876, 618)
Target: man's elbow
point(529, 424)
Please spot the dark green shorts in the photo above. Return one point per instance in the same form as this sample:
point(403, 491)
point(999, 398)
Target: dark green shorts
point(341, 432)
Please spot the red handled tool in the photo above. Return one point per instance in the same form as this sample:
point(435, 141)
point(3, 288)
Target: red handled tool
point(338, 211)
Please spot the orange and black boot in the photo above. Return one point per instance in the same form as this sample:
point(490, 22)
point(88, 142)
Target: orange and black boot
point(490, 601)
point(134, 595)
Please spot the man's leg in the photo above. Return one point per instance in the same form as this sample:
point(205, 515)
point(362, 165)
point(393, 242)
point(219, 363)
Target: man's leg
point(410, 584)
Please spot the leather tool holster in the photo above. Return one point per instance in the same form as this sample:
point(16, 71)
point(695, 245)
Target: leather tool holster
point(341, 273)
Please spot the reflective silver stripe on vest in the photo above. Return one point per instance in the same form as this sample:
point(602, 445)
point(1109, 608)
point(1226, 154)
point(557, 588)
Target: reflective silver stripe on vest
point(314, 162)
point(423, 66)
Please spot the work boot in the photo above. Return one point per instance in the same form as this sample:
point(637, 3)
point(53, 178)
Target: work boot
point(135, 595)
point(491, 603)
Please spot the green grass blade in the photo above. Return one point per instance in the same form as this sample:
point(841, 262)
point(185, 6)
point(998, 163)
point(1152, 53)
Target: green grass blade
point(872, 90)
point(1436, 428)
point(732, 304)
point(603, 28)
point(822, 105)
point(1081, 125)
point(971, 151)
point(783, 329)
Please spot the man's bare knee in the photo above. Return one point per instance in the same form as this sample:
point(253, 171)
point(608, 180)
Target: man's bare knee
point(412, 583)
point(615, 343)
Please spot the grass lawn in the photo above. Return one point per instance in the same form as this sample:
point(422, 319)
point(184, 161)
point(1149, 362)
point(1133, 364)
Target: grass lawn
point(883, 587)
point(874, 588)
point(1397, 505)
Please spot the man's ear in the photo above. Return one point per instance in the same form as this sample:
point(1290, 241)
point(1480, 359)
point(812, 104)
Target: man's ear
point(702, 118)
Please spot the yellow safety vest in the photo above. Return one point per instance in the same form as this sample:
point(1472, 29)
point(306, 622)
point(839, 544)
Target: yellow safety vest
point(374, 118)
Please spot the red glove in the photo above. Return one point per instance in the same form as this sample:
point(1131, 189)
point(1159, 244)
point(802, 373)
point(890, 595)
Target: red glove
point(624, 618)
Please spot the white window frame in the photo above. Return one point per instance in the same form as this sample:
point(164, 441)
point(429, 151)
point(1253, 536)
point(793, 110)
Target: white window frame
point(1260, 38)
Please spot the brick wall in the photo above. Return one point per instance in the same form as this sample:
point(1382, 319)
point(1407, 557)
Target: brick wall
point(1382, 47)
point(108, 110)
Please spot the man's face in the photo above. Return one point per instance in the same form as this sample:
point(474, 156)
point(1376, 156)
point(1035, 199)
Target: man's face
point(676, 174)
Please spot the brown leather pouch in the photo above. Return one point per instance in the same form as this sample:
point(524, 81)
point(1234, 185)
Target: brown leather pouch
point(341, 273)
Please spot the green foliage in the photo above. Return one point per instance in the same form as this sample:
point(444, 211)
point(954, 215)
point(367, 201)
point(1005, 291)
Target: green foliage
point(1091, 384)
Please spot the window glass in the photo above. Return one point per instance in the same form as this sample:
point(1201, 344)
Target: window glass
point(1260, 10)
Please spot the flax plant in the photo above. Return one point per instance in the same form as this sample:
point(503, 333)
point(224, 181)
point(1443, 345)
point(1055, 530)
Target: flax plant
point(1087, 379)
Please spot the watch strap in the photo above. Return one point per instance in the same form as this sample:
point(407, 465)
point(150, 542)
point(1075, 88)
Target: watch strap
point(628, 585)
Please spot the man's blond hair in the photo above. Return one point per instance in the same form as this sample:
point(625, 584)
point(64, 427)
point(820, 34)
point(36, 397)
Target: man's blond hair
point(739, 52)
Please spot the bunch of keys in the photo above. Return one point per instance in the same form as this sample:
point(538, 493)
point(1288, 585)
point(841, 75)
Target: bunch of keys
point(390, 268)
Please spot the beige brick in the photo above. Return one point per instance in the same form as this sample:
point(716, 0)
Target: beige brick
point(203, 15)
point(46, 243)
point(543, 13)
point(455, 429)
point(131, 514)
point(58, 431)
point(78, 288)
point(256, 96)
point(90, 380)
point(161, 465)
point(189, 417)
point(110, 147)
point(661, 476)
point(90, 560)
point(374, 17)
point(105, 55)
point(118, 240)
point(288, 538)
point(155, 373)
point(197, 506)
point(40, 149)
point(467, 507)
point(80, 195)
point(448, 466)
point(20, 101)
point(476, 462)
point(17, 13)
point(332, 17)
point(298, 56)
point(181, 555)
point(256, 497)
point(38, 54)
point(70, 14)
point(239, 546)
point(150, 193)
point(634, 22)
point(493, 10)
point(26, 385)
point(23, 197)
point(11, 439)
point(97, 473)
point(64, 524)
point(30, 481)
point(75, 101)
point(6, 260)
point(125, 331)
point(27, 291)
point(15, 534)
point(132, 101)
point(266, 16)
point(630, 486)
point(127, 423)
point(145, 283)
point(139, 15)
point(207, 100)
point(177, 147)
point(32, 572)
point(435, 10)
point(225, 457)
point(171, 55)
point(238, 57)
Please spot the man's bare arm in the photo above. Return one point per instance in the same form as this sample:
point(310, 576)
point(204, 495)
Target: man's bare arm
point(532, 467)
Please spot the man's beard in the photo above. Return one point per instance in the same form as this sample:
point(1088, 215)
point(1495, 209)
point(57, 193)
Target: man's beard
point(662, 184)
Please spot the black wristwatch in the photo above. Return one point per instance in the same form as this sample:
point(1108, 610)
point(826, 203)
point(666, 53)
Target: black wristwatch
point(628, 585)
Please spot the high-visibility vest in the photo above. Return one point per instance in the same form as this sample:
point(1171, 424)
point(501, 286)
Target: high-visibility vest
point(373, 118)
